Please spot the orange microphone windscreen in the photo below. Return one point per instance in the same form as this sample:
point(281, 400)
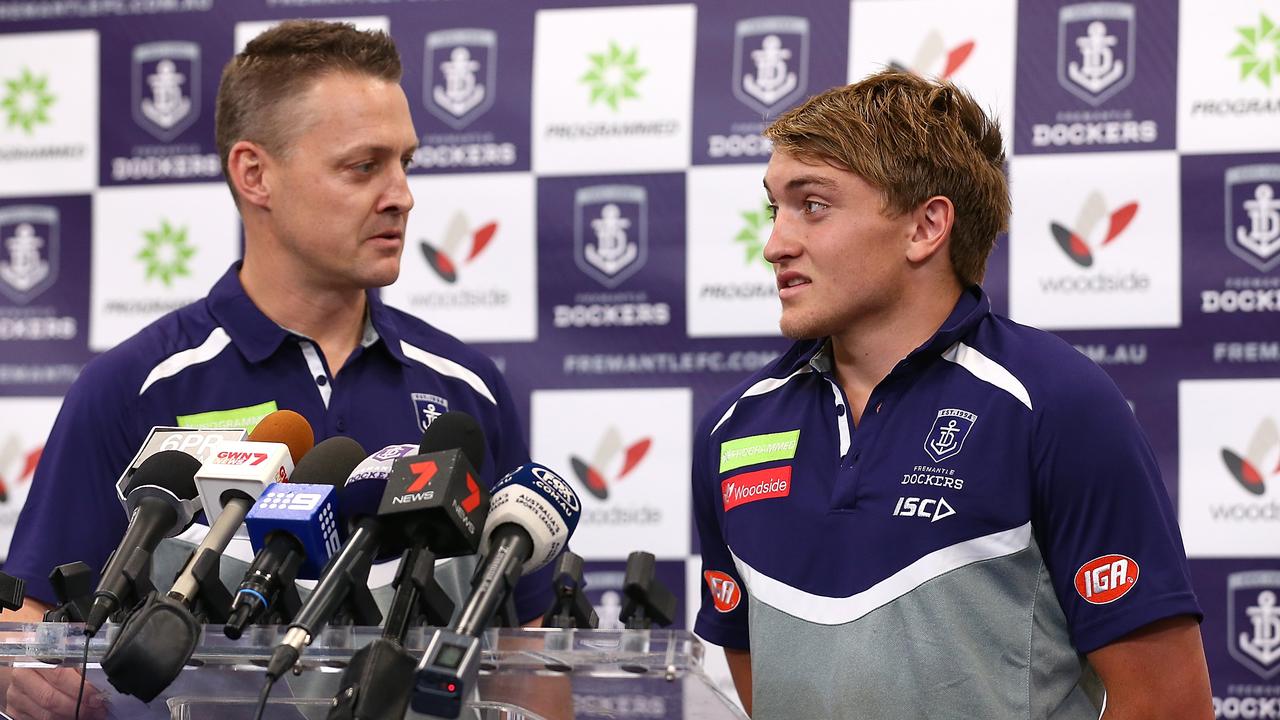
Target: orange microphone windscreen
point(288, 427)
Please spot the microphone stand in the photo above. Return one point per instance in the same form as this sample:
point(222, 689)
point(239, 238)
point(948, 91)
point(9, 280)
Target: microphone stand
point(379, 680)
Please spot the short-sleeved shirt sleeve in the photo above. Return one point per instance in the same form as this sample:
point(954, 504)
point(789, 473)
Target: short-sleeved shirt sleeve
point(72, 512)
point(723, 615)
point(1102, 515)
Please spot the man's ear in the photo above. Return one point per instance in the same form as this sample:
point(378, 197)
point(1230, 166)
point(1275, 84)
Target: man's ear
point(247, 165)
point(933, 228)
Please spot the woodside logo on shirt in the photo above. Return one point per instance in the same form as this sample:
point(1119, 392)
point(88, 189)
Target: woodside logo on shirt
point(756, 485)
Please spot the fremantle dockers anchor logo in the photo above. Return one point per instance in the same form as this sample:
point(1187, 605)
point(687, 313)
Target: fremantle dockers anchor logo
point(28, 251)
point(948, 433)
point(460, 75)
point(1253, 620)
point(428, 407)
point(166, 87)
point(1096, 49)
point(770, 61)
point(610, 231)
point(1253, 214)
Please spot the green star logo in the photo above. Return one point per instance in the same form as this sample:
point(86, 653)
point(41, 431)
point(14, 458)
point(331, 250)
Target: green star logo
point(613, 76)
point(754, 233)
point(26, 99)
point(1259, 51)
point(166, 253)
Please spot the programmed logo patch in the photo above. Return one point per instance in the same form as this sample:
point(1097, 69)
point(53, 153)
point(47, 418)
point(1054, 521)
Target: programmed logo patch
point(1096, 44)
point(1253, 214)
point(166, 87)
point(461, 74)
point(1253, 620)
point(770, 61)
point(950, 429)
point(610, 232)
point(28, 251)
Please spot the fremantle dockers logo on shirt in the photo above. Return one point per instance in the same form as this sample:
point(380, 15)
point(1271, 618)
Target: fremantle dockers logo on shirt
point(461, 74)
point(427, 408)
point(166, 87)
point(610, 236)
point(28, 251)
point(1096, 49)
point(1253, 214)
point(1253, 620)
point(770, 61)
point(948, 433)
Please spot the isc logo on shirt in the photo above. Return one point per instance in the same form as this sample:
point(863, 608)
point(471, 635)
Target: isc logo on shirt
point(1106, 579)
point(930, 508)
point(725, 592)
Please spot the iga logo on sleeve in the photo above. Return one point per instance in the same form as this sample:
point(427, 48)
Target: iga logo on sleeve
point(1106, 579)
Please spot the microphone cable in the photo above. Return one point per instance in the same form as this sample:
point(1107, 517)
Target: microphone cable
point(84, 670)
point(262, 698)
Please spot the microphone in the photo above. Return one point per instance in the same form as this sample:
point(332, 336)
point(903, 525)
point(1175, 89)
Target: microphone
point(230, 482)
point(431, 496)
point(531, 517)
point(293, 529)
point(156, 499)
point(358, 501)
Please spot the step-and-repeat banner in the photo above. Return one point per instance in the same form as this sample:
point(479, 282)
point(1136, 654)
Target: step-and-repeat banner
point(590, 214)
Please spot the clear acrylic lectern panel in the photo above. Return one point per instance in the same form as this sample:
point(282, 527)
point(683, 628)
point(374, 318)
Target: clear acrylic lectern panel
point(525, 675)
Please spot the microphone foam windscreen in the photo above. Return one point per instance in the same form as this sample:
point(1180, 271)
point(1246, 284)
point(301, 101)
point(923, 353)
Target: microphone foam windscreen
point(289, 428)
point(329, 462)
point(172, 470)
point(455, 430)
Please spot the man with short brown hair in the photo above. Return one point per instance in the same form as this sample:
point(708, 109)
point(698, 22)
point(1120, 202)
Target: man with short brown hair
point(923, 509)
point(316, 137)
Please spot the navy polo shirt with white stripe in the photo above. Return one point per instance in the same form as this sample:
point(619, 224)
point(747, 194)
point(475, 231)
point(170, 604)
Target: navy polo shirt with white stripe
point(221, 359)
point(995, 514)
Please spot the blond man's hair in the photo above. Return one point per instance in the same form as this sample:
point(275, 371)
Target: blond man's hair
point(913, 139)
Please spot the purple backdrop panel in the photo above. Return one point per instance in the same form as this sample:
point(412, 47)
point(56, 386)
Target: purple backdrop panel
point(611, 261)
point(160, 83)
point(1231, 261)
point(1241, 632)
point(44, 293)
point(754, 61)
point(1096, 76)
point(467, 73)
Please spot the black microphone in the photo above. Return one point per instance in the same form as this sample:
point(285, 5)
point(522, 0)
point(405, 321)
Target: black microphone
point(293, 526)
point(431, 498)
point(155, 499)
point(531, 517)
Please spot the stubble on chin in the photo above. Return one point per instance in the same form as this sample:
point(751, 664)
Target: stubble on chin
point(795, 326)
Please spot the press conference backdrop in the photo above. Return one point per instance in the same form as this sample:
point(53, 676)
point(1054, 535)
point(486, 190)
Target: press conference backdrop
point(589, 212)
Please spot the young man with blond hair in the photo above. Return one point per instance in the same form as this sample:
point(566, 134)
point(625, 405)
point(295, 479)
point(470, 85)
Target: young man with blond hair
point(923, 509)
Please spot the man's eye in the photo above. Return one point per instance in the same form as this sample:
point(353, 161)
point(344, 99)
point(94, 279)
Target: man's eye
point(771, 212)
point(406, 161)
point(366, 167)
point(813, 206)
